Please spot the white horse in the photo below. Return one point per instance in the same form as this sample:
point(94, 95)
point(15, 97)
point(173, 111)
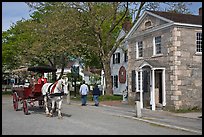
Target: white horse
point(54, 92)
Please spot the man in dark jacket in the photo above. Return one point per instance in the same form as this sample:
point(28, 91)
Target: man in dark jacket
point(96, 94)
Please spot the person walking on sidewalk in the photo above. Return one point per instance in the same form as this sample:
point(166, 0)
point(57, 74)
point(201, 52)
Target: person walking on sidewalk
point(96, 94)
point(83, 91)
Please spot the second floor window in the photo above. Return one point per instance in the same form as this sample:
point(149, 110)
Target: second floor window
point(157, 45)
point(139, 49)
point(116, 58)
point(198, 42)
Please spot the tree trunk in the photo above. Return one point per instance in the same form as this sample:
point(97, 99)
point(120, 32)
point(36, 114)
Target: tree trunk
point(107, 73)
point(63, 66)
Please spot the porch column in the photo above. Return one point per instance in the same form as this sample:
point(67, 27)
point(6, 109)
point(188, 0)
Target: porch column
point(153, 90)
point(163, 88)
point(141, 96)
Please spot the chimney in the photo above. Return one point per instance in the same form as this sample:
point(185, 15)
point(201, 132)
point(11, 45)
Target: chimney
point(200, 11)
point(127, 24)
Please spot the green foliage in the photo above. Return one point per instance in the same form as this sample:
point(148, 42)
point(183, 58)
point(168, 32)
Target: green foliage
point(187, 110)
point(101, 98)
point(110, 97)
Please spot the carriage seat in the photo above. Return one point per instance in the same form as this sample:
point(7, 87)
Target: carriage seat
point(37, 87)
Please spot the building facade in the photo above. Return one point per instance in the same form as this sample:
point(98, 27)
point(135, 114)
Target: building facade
point(165, 60)
point(119, 62)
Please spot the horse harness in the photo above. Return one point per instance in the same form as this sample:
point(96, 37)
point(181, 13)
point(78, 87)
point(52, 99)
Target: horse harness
point(51, 91)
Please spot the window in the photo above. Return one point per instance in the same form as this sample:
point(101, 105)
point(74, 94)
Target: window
point(139, 49)
point(116, 58)
point(115, 81)
point(125, 56)
point(148, 24)
point(198, 42)
point(157, 45)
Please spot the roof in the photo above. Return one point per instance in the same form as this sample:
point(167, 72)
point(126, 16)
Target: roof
point(180, 18)
point(155, 63)
point(152, 63)
point(170, 17)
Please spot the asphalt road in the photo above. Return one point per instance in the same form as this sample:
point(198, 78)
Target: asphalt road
point(77, 120)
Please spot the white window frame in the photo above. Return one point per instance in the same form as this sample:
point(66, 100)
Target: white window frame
point(200, 46)
point(137, 50)
point(154, 47)
point(116, 57)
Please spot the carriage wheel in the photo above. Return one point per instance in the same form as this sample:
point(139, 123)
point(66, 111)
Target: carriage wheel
point(15, 101)
point(25, 107)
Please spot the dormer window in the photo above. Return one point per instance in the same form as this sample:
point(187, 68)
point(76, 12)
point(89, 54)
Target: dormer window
point(148, 24)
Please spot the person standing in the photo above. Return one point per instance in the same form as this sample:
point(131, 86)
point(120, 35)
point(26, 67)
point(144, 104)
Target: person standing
point(96, 94)
point(83, 91)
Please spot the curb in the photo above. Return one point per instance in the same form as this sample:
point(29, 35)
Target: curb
point(153, 122)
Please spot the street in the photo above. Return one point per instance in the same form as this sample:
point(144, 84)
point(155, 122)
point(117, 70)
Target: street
point(77, 120)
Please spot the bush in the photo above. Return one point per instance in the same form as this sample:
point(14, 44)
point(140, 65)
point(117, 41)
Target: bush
point(110, 97)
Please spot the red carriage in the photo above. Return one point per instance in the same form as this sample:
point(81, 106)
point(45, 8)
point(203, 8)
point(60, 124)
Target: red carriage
point(29, 94)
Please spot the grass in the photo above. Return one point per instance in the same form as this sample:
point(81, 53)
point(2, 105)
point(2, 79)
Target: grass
point(101, 98)
point(187, 110)
point(7, 93)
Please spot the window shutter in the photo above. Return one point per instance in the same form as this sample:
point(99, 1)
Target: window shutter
point(113, 58)
point(133, 81)
point(116, 81)
point(112, 81)
point(118, 57)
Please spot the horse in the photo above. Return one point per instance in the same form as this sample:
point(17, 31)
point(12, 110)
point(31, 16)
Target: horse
point(54, 92)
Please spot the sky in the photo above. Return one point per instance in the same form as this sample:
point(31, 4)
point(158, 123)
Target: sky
point(14, 11)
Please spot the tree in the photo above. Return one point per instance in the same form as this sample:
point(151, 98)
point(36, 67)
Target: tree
point(102, 23)
point(97, 27)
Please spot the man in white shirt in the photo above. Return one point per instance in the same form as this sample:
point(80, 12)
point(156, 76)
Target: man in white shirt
point(83, 92)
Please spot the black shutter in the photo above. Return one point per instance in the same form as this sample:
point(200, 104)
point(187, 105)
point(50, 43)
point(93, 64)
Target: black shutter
point(112, 81)
point(133, 81)
point(116, 80)
point(113, 58)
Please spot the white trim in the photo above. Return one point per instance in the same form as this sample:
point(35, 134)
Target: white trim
point(137, 85)
point(163, 88)
point(136, 25)
point(198, 53)
point(151, 30)
point(154, 47)
point(145, 13)
point(141, 90)
point(170, 22)
point(137, 52)
point(145, 64)
point(153, 90)
point(185, 24)
point(160, 17)
point(196, 39)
